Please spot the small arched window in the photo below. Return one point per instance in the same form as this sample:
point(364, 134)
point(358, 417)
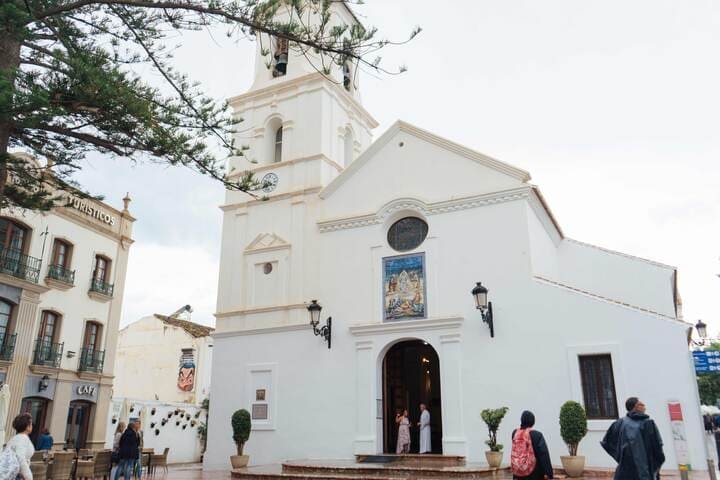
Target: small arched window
point(13, 236)
point(278, 145)
point(6, 343)
point(407, 234)
point(347, 77)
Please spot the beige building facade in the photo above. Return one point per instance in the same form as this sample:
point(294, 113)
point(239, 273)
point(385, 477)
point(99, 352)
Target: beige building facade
point(62, 278)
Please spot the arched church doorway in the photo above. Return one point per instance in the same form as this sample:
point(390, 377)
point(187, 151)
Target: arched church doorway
point(411, 376)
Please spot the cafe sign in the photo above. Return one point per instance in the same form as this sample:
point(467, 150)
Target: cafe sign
point(89, 209)
point(84, 391)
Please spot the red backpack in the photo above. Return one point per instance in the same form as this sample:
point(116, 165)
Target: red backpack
point(522, 456)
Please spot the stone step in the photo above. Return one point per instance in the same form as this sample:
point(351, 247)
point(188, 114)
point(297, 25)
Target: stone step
point(413, 459)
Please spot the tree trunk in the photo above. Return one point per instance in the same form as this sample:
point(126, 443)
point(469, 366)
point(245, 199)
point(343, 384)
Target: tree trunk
point(240, 447)
point(10, 44)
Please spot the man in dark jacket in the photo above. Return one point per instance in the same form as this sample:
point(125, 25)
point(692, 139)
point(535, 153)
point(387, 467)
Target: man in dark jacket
point(128, 451)
point(634, 442)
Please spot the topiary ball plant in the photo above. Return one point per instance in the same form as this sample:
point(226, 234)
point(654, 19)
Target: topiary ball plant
point(241, 429)
point(573, 425)
point(492, 418)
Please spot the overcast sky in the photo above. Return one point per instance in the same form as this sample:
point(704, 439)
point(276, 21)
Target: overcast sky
point(612, 106)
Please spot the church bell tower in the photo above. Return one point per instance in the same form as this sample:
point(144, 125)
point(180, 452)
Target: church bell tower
point(300, 124)
point(300, 128)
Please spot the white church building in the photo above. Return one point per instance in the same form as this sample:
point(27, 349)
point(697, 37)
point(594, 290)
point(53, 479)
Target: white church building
point(390, 237)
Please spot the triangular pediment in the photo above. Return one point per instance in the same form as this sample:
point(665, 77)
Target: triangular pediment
point(408, 162)
point(266, 241)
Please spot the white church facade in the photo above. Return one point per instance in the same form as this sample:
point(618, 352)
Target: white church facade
point(390, 237)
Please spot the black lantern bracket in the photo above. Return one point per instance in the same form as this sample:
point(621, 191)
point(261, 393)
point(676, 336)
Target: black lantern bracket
point(480, 294)
point(324, 331)
point(487, 316)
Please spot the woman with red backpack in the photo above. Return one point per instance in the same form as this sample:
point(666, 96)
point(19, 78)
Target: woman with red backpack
point(529, 457)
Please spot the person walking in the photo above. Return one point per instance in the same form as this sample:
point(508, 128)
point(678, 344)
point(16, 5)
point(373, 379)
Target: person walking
point(22, 445)
point(634, 442)
point(45, 440)
point(424, 424)
point(128, 451)
point(529, 457)
point(403, 442)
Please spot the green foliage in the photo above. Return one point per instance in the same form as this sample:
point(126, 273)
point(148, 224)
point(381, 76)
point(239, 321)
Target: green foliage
point(202, 429)
point(573, 425)
point(81, 76)
point(709, 388)
point(493, 418)
point(241, 428)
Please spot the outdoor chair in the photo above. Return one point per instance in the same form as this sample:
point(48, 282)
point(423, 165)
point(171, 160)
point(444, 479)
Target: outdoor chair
point(39, 470)
point(61, 466)
point(103, 464)
point(85, 469)
point(160, 460)
point(38, 456)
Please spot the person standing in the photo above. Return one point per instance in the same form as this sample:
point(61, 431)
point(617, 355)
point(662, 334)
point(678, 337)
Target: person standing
point(128, 451)
point(424, 424)
point(634, 442)
point(45, 440)
point(403, 443)
point(529, 457)
point(22, 445)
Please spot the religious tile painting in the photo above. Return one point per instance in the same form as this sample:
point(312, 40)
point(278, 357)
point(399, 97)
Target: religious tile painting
point(404, 287)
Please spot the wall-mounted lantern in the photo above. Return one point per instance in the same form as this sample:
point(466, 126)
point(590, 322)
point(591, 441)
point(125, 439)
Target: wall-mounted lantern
point(701, 328)
point(326, 330)
point(44, 383)
point(485, 307)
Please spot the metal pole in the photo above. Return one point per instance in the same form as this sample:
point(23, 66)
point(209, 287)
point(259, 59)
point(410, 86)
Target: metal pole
point(711, 468)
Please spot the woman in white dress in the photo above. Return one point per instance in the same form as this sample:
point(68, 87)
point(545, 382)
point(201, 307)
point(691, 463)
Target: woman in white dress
point(22, 445)
point(403, 443)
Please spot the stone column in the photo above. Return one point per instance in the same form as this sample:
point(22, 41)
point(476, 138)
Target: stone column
point(454, 442)
point(60, 406)
point(365, 435)
point(98, 428)
point(22, 357)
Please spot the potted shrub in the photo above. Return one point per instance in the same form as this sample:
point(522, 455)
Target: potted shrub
point(241, 434)
point(492, 418)
point(573, 427)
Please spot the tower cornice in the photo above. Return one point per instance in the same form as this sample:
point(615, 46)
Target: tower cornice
point(309, 82)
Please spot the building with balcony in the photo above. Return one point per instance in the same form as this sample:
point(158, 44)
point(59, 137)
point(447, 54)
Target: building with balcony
point(62, 276)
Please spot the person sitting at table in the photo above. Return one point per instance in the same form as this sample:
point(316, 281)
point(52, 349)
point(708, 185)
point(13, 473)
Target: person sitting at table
point(45, 440)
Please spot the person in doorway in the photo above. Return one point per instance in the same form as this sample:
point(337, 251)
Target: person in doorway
point(424, 424)
point(529, 457)
point(45, 440)
point(403, 443)
point(128, 451)
point(634, 442)
point(22, 445)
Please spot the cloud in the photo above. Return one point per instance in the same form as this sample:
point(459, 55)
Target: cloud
point(163, 278)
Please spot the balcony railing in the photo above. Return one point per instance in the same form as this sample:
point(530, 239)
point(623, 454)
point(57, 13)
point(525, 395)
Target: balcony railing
point(91, 360)
point(58, 272)
point(14, 262)
point(7, 346)
point(47, 354)
point(99, 286)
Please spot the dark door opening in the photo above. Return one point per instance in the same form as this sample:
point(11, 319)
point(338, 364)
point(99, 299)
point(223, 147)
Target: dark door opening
point(411, 376)
point(78, 422)
point(38, 409)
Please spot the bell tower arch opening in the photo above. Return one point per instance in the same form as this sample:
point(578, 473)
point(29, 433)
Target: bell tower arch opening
point(411, 376)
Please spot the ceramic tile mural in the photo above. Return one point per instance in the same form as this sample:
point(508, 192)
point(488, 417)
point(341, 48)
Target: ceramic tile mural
point(404, 287)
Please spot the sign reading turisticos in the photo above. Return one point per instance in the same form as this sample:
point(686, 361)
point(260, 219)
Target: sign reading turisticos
point(90, 210)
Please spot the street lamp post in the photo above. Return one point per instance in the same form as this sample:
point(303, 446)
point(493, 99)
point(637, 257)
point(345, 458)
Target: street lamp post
point(326, 330)
point(479, 292)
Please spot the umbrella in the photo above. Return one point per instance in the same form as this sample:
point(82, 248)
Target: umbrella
point(124, 412)
point(4, 405)
point(145, 416)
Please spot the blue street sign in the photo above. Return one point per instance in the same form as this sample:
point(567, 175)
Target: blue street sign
point(708, 361)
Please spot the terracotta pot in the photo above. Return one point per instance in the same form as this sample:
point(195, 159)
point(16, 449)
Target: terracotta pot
point(494, 459)
point(574, 465)
point(239, 461)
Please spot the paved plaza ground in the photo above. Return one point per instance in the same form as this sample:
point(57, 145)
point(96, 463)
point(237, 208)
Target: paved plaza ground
point(195, 472)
